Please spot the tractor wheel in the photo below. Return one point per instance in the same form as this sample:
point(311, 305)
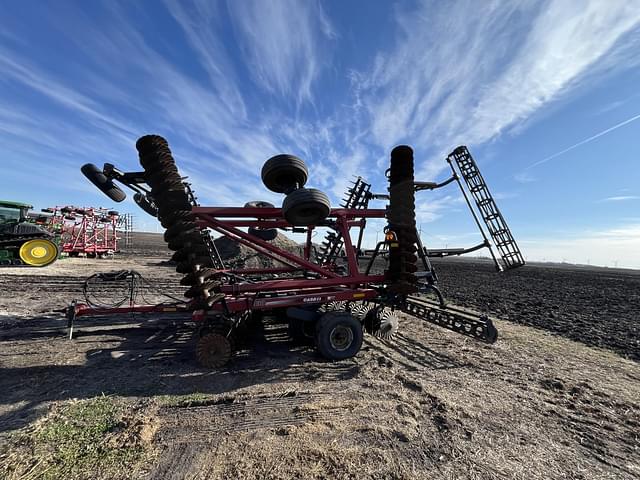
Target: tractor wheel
point(306, 206)
point(284, 173)
point(213, 350)
point(38, 252)
point(100, 180)
point(338, 335)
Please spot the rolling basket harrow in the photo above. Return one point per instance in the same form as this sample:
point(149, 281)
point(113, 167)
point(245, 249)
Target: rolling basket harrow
point(330, 294)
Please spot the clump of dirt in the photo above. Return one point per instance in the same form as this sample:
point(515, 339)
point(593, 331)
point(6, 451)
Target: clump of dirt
point(237, 255)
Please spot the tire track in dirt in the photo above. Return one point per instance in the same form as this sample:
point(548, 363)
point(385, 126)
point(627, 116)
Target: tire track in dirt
point(189, 435)
point(605, 428)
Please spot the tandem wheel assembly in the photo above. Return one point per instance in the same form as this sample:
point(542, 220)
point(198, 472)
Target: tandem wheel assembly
point(302, 206)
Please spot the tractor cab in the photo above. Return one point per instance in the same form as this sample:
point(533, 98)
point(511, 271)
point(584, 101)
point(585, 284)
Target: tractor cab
point(13, 212)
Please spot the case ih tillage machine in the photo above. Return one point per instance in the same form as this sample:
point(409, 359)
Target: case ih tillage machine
point(331, 294)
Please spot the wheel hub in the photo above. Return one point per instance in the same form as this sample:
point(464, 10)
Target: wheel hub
point(38, 252)
point(341, 338)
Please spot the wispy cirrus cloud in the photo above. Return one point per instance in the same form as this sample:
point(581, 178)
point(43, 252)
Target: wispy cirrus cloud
point(483, 68)
point(620, 198)
point(282, 43)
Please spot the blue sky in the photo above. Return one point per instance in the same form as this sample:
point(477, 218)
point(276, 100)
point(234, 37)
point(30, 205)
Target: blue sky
point(544, 93)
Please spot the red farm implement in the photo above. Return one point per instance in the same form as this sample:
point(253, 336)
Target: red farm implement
point(331, 294)
point(87, 231)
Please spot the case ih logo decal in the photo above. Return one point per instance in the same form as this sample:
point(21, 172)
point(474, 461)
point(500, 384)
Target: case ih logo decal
point(327, 298)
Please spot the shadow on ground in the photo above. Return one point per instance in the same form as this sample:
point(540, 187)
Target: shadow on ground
point(135, 358)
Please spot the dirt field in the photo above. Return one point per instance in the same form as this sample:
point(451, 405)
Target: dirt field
point(558, 396)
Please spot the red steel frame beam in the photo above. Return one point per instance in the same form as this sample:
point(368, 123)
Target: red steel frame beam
point(273, 217)
point(236, 304)
point(242, 297)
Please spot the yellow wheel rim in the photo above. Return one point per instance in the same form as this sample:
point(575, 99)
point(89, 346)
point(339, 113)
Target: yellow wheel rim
point(38, 252)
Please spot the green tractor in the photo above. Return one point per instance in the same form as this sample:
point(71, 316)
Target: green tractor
point(22, 242)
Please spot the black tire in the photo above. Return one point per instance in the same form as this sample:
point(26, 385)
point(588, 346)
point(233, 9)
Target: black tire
point(266, 235)
point(113, 213)
point(100, 180)
point(284, 173)
point(47, 210)
point(306, 206)
point(146, 204)
point(66, 210)
point(338, 335)
point(263, 234)
point(259, 204)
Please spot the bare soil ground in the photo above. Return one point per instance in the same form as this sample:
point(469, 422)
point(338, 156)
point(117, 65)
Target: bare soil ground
point(558, 396)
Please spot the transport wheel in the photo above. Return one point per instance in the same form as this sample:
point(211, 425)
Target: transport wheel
point(381, 322)
point(39, 252)
point(213, 350)
point(146, 203)
point(306, 206)
point(338, 335)
point(267, 234)
point(100, 180)
point(47, 210)
point(284, 173)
